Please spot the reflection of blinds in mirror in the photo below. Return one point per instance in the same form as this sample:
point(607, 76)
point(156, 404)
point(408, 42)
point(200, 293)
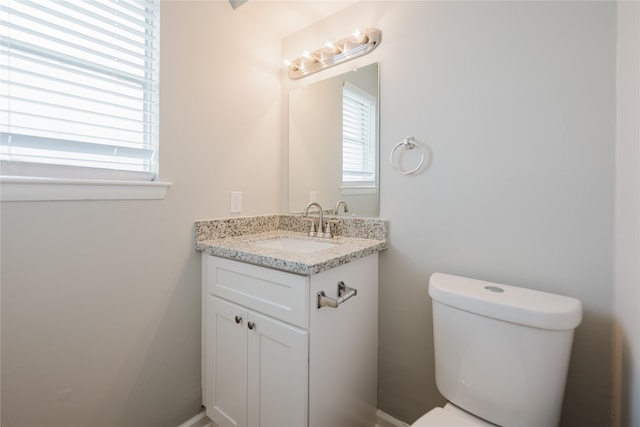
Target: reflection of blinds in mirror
point(358, 136)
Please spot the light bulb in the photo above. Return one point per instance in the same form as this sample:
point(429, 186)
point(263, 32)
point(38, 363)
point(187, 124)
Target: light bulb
point(358, 37)
point(330, 48)
point(309, 57)
point(291, 65)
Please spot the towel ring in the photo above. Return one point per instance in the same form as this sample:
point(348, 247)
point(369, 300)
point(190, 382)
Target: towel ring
point(408, 143)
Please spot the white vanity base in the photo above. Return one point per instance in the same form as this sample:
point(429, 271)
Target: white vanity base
point(272, 358)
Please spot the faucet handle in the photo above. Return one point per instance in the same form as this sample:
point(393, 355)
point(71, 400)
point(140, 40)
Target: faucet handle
point(312, 230)
point(327, 231)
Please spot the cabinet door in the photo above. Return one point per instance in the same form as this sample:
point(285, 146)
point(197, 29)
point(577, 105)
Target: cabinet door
point(226, 382)
point(277, 379)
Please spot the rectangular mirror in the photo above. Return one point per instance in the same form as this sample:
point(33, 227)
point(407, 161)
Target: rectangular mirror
point(333, 142)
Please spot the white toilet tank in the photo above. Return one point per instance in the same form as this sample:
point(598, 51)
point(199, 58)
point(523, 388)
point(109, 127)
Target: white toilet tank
point(502, 352)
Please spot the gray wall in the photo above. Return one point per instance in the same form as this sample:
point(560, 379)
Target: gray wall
point(515, 101)
point(627, 284)
point(101, 300)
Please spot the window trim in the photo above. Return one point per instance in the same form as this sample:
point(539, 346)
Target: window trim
point(25, 189)
point(358, 190)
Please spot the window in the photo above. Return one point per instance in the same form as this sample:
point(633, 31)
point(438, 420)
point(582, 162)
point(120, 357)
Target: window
point(79, 89)
point(358, 137)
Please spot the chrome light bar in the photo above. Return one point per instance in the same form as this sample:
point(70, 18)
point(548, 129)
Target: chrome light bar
point(356, 44)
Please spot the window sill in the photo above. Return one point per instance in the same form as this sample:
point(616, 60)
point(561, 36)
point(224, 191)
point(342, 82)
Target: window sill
point(24, 189)
point(355, 190)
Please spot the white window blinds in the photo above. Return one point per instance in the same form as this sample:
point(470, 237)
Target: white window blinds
point(79, 88)
point(358, 136)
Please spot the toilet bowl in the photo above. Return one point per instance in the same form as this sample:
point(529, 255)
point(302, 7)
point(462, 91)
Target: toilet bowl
point(501, 353)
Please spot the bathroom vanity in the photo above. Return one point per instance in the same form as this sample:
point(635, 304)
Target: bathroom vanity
point(289, 327)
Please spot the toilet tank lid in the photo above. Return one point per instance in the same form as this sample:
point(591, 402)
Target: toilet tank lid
point(504, 302)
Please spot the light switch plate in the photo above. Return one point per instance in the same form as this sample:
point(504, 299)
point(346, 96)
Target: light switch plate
point(236, 202)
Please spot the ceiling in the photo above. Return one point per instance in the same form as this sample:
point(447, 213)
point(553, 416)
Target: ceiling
point(282, 18)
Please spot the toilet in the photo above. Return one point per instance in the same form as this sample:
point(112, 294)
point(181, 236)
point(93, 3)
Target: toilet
point(501, 353)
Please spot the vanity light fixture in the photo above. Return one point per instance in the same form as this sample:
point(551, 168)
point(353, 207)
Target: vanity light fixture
point(356, 44)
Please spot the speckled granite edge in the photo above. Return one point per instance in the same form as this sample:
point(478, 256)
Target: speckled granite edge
point(234, 238)
point(361, 228)
point(244, 249)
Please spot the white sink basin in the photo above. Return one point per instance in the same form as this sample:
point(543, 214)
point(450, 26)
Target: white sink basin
point(290, 244)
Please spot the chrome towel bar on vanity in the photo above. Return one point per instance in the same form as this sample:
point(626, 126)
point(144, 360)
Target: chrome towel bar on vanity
point(344, 293)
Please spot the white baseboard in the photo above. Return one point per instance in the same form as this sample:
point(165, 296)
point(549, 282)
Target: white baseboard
point(199, 420)
point(386, 420)
point(383, 420)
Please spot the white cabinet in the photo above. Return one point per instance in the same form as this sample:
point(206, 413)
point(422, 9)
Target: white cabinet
point(226, 348)
point(272, 358)
point(256, 363)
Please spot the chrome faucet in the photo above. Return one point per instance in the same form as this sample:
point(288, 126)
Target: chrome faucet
point(319, 233)
point(343, 203)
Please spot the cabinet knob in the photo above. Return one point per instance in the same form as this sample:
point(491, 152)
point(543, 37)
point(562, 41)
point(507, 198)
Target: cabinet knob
point(238, 319)
point(251, 325)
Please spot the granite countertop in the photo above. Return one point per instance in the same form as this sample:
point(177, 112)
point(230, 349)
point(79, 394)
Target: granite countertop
point(235, 239)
